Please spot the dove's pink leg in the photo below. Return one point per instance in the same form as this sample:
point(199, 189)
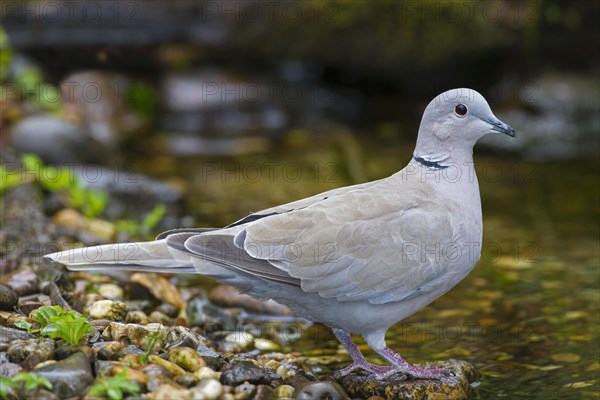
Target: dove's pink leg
point(358, 360)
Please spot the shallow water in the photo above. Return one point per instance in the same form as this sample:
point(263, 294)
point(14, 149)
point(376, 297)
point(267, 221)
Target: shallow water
point(527, 317)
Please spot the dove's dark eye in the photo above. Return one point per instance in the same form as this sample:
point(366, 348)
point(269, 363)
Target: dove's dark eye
point(460, 110)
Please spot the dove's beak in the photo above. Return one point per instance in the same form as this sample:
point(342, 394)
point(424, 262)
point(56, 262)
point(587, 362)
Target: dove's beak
point(500, 126)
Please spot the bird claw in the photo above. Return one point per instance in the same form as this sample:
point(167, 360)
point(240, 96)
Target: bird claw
point(379, 371)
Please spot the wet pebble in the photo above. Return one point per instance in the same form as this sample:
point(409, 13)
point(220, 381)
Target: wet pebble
point(264, 392)
point(169, 392)
point(284, 391)
point(69, 377)
point(158, 317)
point(160, 288)
point(110, 291)
point(173, 368)
point(242, 371)
point(456, 387)
point(228, 296)
point(137, 317)
point(321, 391)
point(244, 391)
point(138, 335)
point(23, 282)
point(207, 373)
point(9, 369)
point(42, 349)
point(201, 312)
point(186, 358)
point(108, 309)
point(208, 389)
point(8, 335)
point(213, 358)
point(157, 376)
point(8, 298)
point(266, 345)
point(40, 134)
point(109, 350)
point(243, 339)
point(168, 309)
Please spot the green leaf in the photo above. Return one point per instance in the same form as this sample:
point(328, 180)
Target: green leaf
point(115, 387)
point(153, 217)
point(8, 178)
point(57, 323)
point(5, 385)
point(32, 164)
point(32, 381)
point(114, 393)
point(55, 179)
point(22, 324)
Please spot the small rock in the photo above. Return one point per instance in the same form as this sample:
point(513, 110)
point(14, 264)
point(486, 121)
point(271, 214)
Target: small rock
point(168, 309)
point(242, 371)
point(284, 391)
point(244, 339)
point(173, 368)
point(264, 392)
point(9, 369)
point(110, 291)
point(207, 373)
point(108, 309)
point(42, 349)
point(137, 317)
point(8, 335)
point(228, 296)
point(53, 139)
point(169, 392)
point(138, 335)
point(69, 377)
point(160, 288)
point(187, 358)
point(69, 217)
point(213, 358)
point(266, 345)
point(8, 298)
point(23, 282)
point(109, 350)
point(157, 376)
point(244, 391)
point(201, 312)
point(321, 391)
point(187, 380)
point(158, 317)
point(101, 229)
point(455, 387)
point(208, 389)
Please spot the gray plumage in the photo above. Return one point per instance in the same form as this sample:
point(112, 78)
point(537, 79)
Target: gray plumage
point(358, 258)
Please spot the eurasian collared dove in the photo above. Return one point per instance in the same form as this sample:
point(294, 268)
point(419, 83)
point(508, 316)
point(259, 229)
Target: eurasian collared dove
point(358, 258)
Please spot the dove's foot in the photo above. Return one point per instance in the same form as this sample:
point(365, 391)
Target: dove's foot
point(399, 365)
point(377, 370)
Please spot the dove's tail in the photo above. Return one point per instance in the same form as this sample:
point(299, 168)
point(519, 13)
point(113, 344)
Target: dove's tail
point(153, 256)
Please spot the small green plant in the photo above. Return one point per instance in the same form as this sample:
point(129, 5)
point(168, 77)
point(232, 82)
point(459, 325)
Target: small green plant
point(59, 180)
point(29, 380)
point(115, 387)
point(56, 323)
point(5, 385)
point(144, 228)
point(150, 343)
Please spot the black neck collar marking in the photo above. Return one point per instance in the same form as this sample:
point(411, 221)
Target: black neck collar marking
point(429, 164)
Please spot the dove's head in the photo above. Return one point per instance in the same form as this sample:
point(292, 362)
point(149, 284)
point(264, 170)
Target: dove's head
point(452, 123)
